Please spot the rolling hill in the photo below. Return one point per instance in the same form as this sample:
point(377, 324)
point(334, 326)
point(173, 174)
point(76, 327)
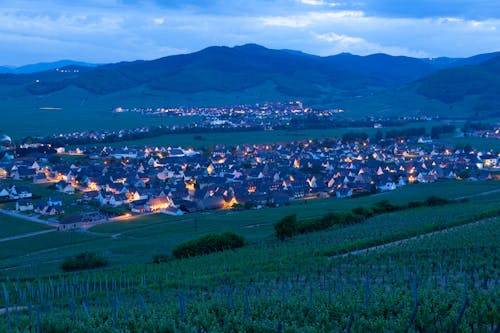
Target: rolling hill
point(364, 85)
point(43, 66)
point(224, 69)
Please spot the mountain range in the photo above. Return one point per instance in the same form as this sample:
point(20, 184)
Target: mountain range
point(378, 83)
point(43, 66)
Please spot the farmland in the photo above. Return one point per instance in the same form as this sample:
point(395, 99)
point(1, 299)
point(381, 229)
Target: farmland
point(138, 239)
point(210, 139)
point(476, 142)
point(11, 226)
point(291, 286)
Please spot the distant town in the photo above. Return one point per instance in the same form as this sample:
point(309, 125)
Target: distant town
point(83, 186)
point(258, 117)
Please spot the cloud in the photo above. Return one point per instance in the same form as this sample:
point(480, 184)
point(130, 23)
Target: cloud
point(116, 30)
point(308, 19)
point(159, 20)
point(282, 21)
point(320, 3)
point(332, 37)
point(338, 43)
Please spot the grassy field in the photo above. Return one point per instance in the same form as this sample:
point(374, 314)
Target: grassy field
point(260, 221)
point(295, 285)
point(210, 139)
point(137, 240)
point(478, 143)
point(72, 116)
point(11, 226)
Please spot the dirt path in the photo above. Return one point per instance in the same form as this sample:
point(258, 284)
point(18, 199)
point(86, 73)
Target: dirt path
point(31, 234)
point(478, 194)
point(402, 241)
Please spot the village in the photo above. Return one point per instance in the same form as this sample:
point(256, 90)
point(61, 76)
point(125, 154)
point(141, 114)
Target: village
point(109, 183)
point(240, 118)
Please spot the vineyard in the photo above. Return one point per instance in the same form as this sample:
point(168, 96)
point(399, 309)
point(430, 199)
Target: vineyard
point(427, 269)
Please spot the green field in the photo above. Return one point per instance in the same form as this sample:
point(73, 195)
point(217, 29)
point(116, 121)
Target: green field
point(292, 286)
point(255, 137)
point(478, 143)
point(137, 240)
point(11, 226)
point(20, 120)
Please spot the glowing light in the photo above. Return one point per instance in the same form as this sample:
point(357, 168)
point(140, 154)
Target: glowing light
point(92, 186)
point(230, 204)
point(296, 163)
point(210, 169)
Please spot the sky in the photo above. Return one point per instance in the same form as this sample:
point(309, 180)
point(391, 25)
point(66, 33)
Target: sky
point(104, 31)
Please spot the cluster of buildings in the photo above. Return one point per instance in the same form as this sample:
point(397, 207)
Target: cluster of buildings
point(266, 116)
point(492, 133)
point(250, 111)
point(23, 197)
point(176, 181)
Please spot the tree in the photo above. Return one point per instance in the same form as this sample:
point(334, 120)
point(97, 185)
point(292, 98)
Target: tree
point(287, 227)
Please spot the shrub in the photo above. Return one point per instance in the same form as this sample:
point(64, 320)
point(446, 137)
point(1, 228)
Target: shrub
point(415, 204)
point(208, 244)
point(286, 227)
point(160, 258)
point(436, 201)
point(384, 206)
point(84, 260)
point(366, 212)
point(323, 223)
point(352, 218)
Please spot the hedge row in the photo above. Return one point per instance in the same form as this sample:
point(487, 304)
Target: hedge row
point(85, 260)
point(289, 226)
point(208, 244)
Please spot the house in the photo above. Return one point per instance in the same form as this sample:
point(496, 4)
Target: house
point(343, 193)
point(90, 195)
point(71, 222)
point(4, 193)
point(24, 192)
point(40, 178)
point(489, 162)
point(156, 204)
point(118, 200)
point(23, 173)
point(171, 210)
point(212, 202)
point(24, 205)
point(280, 198)
point(425, 139)
point(138, 206)
point(188, 206)
point(21, 192)
point(4, 173)
point(386, 186)
point(54, 201)
point(65, 187)
point(45, 209)
point(137, 195)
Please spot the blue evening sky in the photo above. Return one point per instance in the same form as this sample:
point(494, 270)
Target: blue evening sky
point(102, 31)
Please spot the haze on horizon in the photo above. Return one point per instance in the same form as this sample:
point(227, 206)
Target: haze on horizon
point(120, 30)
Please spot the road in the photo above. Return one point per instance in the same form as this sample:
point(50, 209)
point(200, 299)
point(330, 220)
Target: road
point(478, 194)
point(402, 241)
point(28, 218)
point(31, 234)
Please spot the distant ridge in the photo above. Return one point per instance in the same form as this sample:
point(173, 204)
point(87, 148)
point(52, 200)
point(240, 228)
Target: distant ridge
point(220, 75)
point(43, 66)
